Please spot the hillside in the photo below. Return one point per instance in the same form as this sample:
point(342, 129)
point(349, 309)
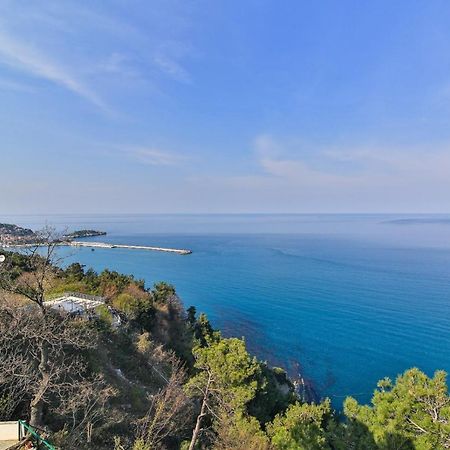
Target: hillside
point(165, 379)
point(10, 233)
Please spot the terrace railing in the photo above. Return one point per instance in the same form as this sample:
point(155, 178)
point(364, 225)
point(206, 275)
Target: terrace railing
point(35, 436)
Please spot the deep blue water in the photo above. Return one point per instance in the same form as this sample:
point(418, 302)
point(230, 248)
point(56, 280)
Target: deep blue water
point(351, 298)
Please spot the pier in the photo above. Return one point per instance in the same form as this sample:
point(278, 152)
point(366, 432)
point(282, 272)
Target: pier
point(131, 247)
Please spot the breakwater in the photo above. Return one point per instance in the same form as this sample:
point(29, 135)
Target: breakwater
point(132, 247)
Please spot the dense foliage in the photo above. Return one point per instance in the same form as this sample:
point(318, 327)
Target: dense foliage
point(165, 379)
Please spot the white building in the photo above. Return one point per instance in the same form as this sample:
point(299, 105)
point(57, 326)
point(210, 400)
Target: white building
point(75, 303)
point(81, 305)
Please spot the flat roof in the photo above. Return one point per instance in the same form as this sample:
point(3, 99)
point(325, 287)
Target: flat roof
point(73, 303)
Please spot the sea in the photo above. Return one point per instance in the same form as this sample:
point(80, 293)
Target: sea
point(340, 300)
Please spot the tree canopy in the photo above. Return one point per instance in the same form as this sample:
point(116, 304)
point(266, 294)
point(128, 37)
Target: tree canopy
point(166, 379)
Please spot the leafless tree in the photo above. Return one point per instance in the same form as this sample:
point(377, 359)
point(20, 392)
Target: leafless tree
point(41, 353)
point(169, 411)
point(12, 394)
point(42, 260)
point(40, 265)
point(34, 341)
point(84, 408)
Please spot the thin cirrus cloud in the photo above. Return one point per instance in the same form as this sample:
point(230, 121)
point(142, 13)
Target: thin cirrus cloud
point(289, 176)
point(33, 61)
point(355, 166)
point(171, 68)
point(277, 160)
point(154, 156)
point(118, 53)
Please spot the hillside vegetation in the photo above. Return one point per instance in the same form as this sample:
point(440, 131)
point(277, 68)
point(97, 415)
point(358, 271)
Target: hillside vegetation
point(165, 379)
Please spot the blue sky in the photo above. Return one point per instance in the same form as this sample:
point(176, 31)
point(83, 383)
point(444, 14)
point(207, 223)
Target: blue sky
point(224, 106)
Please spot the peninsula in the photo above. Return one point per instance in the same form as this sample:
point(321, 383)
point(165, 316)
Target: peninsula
point(84, 234)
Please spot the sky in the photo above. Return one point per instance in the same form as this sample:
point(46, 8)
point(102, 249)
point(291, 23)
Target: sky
point(224, 106)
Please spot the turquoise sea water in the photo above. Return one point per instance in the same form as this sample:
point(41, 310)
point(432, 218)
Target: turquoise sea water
point(345, 299)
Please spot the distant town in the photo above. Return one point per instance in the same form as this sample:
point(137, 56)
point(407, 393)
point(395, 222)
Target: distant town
point(13, 235)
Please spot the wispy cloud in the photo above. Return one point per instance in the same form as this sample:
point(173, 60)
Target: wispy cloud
point(118, 64)
point(93, 52)
point(167, 57)
point(171, 67)
point(265, 145)
point(33, 61)
point(276, 160)
point(289, 177)
point(154, 156)
point(353, 164)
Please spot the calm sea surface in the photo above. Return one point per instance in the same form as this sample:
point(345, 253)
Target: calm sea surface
point(345, 299)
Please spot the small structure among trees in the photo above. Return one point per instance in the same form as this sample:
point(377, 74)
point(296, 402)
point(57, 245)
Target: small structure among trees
point(84, 305)
point(75, 303)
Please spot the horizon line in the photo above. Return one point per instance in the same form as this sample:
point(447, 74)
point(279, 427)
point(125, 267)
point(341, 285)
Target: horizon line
point(219, 213)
